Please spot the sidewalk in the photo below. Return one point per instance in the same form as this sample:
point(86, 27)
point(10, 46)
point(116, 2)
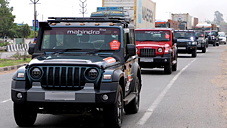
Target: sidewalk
point(9, 68)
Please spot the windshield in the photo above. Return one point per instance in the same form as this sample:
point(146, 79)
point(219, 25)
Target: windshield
point(211, 33)
point(200, 34)
point(152, 35)
point(81, 38)
point(184, 34)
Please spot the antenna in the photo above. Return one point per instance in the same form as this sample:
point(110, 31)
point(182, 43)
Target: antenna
point(83, 6)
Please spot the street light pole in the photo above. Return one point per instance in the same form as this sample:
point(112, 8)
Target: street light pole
point(35, 15)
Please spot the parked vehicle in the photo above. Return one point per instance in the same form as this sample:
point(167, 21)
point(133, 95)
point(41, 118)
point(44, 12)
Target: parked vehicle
point(167, 24)
point(79, 66)
point(185, 20)
point(141, 12)
point(222, 37)
point(156, 48)
point(186, 42)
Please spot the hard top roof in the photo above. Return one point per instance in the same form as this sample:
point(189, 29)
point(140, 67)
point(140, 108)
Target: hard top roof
point(156, 29)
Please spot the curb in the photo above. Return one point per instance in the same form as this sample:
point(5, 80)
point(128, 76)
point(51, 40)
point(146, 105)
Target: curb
point(9, 68)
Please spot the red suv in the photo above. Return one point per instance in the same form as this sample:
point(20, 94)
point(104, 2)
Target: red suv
point(156, 48)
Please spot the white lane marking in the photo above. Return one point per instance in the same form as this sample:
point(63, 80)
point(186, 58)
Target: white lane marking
point(154, 105)
point(5, 101)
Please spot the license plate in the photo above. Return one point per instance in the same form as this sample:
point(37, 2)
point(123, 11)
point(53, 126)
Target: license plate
point(59, 96)
point(181, 48)
point(146, 59)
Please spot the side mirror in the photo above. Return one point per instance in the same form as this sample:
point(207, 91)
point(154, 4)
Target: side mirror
point(131, 49)
point(31, 48)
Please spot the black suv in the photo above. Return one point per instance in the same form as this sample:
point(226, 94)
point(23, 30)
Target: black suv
point(212, 37)
point(202, 43)
point(186, 42)
point(79, 65)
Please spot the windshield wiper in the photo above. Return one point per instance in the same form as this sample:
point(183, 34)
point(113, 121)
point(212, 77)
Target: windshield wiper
point(96, 51)
point(60, 51)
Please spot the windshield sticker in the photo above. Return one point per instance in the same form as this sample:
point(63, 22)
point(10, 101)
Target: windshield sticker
point(167, 36)
point(110, 60)
point(115, 45)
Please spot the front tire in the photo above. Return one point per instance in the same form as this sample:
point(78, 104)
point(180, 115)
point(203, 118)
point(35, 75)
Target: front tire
point(204, 50)
point(24, 115)
point(194, 53)
point(133, 106)
point(168, 68)
point(113, 114)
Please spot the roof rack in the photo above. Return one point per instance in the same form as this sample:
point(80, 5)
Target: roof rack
point(122, 20)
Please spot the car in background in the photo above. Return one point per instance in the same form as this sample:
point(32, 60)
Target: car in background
point(212, 37)
point(186, 42)
point(156, 48)
point(222, 37)
point(201, 41)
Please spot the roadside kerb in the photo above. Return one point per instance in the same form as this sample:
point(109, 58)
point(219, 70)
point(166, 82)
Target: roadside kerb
point(9, 68)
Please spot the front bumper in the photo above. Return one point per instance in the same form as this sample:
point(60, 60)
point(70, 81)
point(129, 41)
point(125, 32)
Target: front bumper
point(88, 95)
point(186, 49)
point(201, 45)
point(152, 62)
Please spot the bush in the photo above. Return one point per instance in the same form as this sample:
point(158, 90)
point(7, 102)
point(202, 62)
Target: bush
point(3, 43)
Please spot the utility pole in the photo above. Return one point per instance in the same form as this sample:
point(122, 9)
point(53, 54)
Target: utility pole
point(35, 15)
point(83, 6)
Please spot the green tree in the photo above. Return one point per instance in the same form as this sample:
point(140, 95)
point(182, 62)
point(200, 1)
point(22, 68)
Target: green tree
point(6, 18)
point(218, 18)
point(23, 31)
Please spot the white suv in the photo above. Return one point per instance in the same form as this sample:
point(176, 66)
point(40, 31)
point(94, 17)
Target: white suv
point(222, 37)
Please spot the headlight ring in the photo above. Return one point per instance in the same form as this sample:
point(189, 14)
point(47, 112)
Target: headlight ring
point(91, 74)
point(36, 73)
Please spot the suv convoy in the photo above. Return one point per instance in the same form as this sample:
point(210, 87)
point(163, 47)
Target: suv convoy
point(156, 49)
point(186, 42)
point(201, 41)
point(212, 37)
point(79, 65)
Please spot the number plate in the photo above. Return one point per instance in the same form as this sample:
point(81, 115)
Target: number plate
point(146, 60)
point(59, 96)
point(181, 47)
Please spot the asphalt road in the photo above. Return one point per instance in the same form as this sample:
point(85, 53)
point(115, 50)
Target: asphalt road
point(188, 98)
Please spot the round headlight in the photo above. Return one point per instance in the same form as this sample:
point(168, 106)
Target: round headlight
point(92, 74)
point(36, 73)
point(159, 49)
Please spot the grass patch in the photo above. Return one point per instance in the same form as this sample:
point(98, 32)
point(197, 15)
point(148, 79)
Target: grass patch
point(10, 62)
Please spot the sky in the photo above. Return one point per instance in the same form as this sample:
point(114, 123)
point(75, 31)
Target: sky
point(202, 9)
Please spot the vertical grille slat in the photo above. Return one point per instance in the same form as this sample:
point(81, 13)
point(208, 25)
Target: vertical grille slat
point(53, 76)
point(73, 77)
point(47, 72)
point(147, 52)
point(63, 77)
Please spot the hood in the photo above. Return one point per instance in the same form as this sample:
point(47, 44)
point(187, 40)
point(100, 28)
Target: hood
point(151, 44)
point(74, 59)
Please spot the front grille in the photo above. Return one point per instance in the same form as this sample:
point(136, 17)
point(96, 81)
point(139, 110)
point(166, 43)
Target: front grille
point(182, 44)
point(147, 52)
point(63, 77)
